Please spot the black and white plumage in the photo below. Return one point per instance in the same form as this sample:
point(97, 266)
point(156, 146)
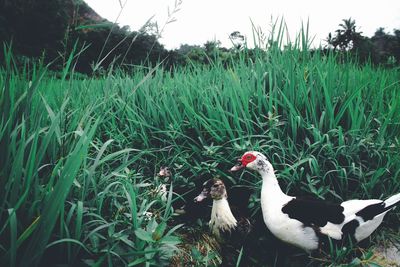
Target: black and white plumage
point(230, 230)
point(223, 223)
point(307, 223)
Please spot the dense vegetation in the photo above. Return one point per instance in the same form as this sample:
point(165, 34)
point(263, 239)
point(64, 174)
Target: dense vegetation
point(80, 153)
point(80, 156)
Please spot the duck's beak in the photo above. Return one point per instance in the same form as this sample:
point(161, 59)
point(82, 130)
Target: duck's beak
point(238, 166)
point(201, 197)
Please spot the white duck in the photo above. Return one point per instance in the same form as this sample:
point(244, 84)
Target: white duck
point(308, 223)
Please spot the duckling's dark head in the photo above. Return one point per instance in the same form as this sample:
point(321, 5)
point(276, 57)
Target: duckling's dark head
point(213, 188)
point(218, 190)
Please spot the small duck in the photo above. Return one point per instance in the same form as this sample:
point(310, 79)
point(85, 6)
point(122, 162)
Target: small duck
point(232, 232)
point(308, 224)
point(222, 222)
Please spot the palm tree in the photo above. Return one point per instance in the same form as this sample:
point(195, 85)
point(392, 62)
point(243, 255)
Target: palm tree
point(348, 26)
point(346, 37)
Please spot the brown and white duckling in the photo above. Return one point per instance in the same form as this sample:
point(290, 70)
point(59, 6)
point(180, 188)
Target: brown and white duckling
point(162, 183)
point(163, 187)
point(222, 221)
point(165, 173)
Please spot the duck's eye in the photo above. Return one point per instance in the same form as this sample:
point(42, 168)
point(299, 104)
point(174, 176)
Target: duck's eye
point(249, 157)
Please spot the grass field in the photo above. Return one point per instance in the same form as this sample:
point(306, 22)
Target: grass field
point(79, 155)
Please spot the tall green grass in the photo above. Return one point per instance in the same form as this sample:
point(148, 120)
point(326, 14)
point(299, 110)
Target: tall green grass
point(67, 194)
point(79, 155)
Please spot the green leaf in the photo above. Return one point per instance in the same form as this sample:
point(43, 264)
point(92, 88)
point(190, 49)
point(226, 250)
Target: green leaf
point(159, 231)
point(13, 237)
point(356, 261)
point(69, 240)
point(137, 261)
point(28, 231)
point(94, 26)
point(239, 257)
point(55, 202)
point(143, 235)
point(171, 240)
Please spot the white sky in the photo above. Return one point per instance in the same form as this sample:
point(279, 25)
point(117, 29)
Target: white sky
point(203, 20)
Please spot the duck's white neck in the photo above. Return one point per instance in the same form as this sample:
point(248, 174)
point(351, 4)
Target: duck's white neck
point(222, 218)
point(270, 187)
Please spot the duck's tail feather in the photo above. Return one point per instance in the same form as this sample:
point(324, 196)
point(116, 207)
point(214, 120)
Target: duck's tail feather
point(369, 212)
point(392, 201)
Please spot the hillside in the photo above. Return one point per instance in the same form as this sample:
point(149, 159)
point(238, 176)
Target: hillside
point(51, 30)
point(35, 26)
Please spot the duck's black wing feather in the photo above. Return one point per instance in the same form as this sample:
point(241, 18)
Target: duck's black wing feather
point(312, 212)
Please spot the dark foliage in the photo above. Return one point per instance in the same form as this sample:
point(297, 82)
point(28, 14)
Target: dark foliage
point(34, 26)
point(382, 48)
point(53, 29)
point(119, 49)
point(50, 29)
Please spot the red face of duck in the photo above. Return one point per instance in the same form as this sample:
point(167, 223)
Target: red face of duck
point(246, 159)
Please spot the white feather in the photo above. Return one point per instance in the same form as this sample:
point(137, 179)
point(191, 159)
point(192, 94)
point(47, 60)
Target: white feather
point(392, 200)
point(332, 230)
point(287, 229)
point(353, 206)
point(222, 218)
point(366, 228)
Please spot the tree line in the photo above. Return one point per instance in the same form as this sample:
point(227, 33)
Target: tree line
point(51, 30)
point(383, 48)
